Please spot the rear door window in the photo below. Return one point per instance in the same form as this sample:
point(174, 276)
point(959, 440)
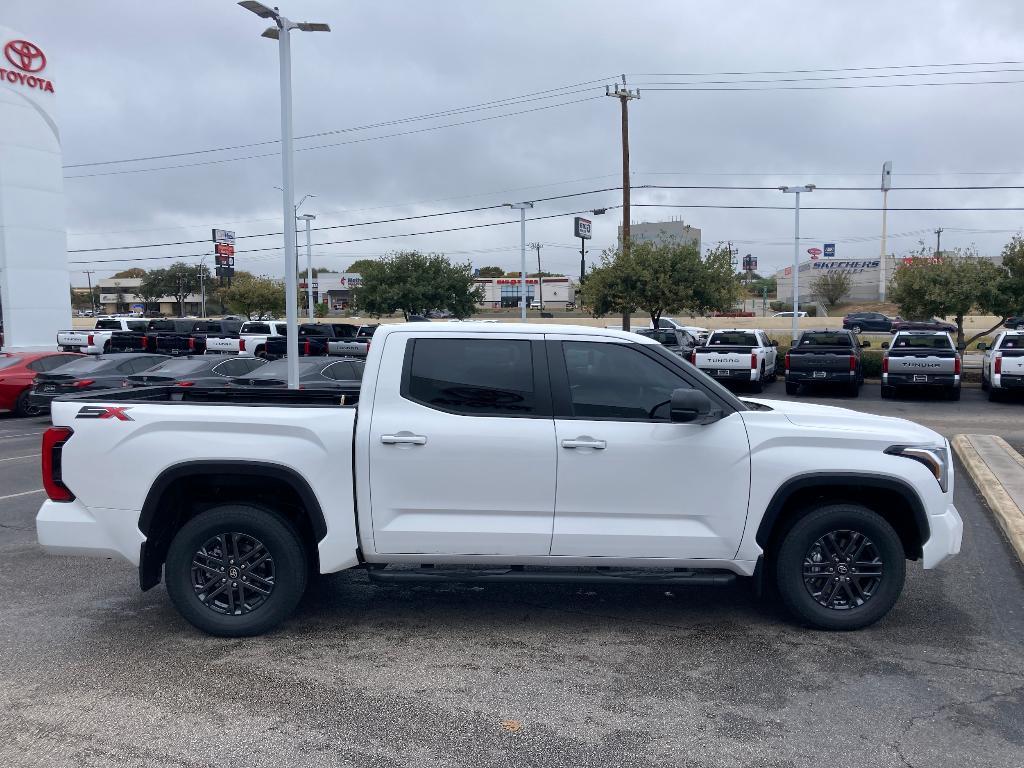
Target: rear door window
point(472, 377)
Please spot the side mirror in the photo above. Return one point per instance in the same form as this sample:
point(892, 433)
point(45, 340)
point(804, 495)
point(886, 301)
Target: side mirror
point(885, 345)
point(689, 405)
point(982, 346)
point(865, 344)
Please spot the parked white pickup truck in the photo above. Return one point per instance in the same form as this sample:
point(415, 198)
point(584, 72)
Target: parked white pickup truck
point(1002, 367)
point(97, 340)
point(249, 342)
point(738, 355)
point(234, 504)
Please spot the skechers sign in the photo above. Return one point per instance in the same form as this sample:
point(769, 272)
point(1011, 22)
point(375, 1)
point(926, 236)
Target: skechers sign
point(27, 59)
point(846, 266)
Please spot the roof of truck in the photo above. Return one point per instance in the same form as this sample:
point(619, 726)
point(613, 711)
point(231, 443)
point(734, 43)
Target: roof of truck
point(471, 326)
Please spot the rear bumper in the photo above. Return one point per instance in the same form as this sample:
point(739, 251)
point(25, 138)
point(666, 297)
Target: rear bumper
point(731, 374)
point(71, 528)
point(40, 400)
point(1007, 381)
point(830, 377)
point(931, 380)
point(947, 531)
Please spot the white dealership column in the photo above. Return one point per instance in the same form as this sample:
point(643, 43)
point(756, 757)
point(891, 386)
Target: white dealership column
point(33, 240)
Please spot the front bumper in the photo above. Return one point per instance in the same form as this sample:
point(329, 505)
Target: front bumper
point(71, 528)
point(946, 536)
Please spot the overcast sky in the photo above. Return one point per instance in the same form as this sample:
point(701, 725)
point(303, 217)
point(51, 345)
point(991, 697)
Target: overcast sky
point(137, 79)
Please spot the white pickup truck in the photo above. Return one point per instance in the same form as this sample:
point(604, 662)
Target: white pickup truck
point(738, 355)
point(1002, 367)
point(97, 340)
point(250, 341)
point(640, 469)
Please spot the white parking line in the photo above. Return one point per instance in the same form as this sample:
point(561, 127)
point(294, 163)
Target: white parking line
point(15, 458)
point(22, 434)
point(23, 493)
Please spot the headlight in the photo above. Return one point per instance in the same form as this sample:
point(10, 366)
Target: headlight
point(935, 457)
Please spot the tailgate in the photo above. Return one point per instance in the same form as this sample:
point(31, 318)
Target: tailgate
point(1013, 361)
point(929, 361)
point(72, 339)
point(221, 344)
point(730, 359)
point(838, 360)
point(128, 341)
point(352, 348)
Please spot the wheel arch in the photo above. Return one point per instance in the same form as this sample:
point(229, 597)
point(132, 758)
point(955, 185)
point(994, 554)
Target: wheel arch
point(184, 490)
point(892, 498)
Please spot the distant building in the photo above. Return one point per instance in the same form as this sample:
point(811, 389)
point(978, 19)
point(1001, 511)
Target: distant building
point(663, 231)
point(504, 292)
point(334, 288)
point(120, 295)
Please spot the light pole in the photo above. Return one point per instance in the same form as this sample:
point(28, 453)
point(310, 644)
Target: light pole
point(521, 207)
point(308, 217)
point(886, 185)
point(282, 33)
point(796, 254)
point(202, 286)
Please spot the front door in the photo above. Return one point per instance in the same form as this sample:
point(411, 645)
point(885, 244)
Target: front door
point(462, 452)
point(631, 484)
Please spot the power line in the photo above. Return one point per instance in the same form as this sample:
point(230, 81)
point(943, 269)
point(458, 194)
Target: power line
point(836, 77)
point(816, 71)
point(839, 87)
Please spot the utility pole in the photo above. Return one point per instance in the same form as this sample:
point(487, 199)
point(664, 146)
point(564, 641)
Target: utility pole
point(540, 277)
point(938, 242)
point(92, 299)
point(521, 207)
point(886, 185)
point(624, 95)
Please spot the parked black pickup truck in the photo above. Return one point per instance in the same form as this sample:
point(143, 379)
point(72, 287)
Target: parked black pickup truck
point(674, 340)
point(169, 336)
point(314, 339)
point(825, 357)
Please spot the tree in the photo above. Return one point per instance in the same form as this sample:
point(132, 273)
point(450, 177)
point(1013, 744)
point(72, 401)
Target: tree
point(660, 277)
point(491, 272)
point(80, 299)
point(321, 309)
point(957, 284)
point(131, 272)
point(831, 287)
point(255, 296)
point(415, 283)
point(177, 281)
point(359, 265)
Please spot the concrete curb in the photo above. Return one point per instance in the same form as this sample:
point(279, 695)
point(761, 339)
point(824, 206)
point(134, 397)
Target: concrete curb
point(1009, 516)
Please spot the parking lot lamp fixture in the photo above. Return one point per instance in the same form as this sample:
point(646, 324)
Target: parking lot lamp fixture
point(795, 191)
point(521, 207)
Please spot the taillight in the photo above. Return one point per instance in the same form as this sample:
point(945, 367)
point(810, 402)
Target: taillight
point(53, 443)
point(853, 362)
point(191, 343)
point(693, 357)
point(753, 360)
point(956, 366)
point(305, 348)
point(241, 345)
point(184, 383)
point(787, 361)
point(89, 340)
point(82, 383)
point(998, 365)
point(885, 365)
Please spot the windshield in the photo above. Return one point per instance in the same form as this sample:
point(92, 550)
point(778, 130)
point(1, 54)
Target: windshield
point(907, 341)
point(733, 339)
point(660, 336)
point(278, 369)
point(826, 339)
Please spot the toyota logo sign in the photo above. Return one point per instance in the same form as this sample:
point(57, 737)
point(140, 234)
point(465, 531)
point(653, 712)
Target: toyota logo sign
point(26, 56)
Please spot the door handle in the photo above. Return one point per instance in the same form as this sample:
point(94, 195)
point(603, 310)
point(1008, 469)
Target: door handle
point(585, 442)
point(403, 438)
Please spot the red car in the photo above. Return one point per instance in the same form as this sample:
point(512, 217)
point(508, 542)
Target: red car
point(17, 372)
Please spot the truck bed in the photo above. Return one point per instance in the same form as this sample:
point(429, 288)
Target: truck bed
point(250, 396)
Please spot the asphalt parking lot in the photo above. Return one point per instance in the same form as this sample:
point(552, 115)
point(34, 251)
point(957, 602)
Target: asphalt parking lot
point(95, 673)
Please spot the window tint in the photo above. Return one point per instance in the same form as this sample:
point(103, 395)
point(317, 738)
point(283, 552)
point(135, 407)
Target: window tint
point(38, 365)
point(826, 340)
point(256, 328)
point(486, 377)
point(733, 339)
point(1012, 342)
point(614, 381)
point(661, 336)
point(923, 342)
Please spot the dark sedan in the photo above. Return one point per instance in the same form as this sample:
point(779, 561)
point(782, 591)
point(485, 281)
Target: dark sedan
point(935, 324)
point(869, 321)
point(91, 373)
point(342, 374)
point(1016, 322)
point(196, 371)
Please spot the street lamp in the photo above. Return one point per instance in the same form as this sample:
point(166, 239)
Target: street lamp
point(796, 254)
point(521, 207)
point(308, 217)
point(886, 186)
point(282, 33)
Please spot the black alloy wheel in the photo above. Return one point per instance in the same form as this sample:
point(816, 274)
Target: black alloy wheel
point(233, 573)
point(842, 570)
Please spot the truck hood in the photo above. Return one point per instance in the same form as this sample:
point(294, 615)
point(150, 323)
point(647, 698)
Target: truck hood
point(843, 419)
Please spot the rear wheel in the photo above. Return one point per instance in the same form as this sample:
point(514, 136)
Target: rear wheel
point(840, 567)
point(22, 407)
point(984, 382)
point(106, 347)
point(236, 570)
point(758, 386)
point(855, 328)
point(995, 394)
point(887, 392)
point(853, 390)
point(953, 393)
point(792, 388)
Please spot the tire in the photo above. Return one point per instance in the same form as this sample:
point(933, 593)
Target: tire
point(985, 386)
point(995, 395)
point(1020, 327)
point(855, 329)
point(830, 534)
point(22, 406)
point(758, 386)
point(853, 390)
point(792, 388)
point(953, 393)
point(888, 392)
point(261, 352)
point(106, 347)
point(224, 615)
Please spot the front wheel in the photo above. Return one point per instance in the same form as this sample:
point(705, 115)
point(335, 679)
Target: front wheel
point(855, 329)
point(840, 567)
point(236, 570)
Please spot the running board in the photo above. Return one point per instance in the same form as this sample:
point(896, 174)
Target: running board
point(555, 576)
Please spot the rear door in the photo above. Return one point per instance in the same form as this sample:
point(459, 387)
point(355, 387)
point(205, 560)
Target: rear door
point(462, 446)
point(631, 484)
